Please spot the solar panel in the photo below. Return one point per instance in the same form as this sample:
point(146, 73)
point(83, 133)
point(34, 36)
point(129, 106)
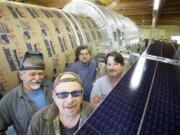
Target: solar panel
point(168, 50)
point(162, 115)
point(154, 49)
point(163, 49)
point(152, 107)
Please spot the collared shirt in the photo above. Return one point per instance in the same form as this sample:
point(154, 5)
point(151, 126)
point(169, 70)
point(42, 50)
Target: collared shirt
point(17, 109)
point(42, 122)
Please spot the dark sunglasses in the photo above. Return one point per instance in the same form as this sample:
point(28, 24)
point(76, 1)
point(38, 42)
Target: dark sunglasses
point(76, 93)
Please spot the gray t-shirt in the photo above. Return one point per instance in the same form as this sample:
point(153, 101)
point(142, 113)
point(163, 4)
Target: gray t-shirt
point(102, 87)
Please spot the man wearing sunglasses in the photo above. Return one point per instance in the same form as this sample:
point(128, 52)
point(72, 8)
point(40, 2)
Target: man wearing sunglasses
point(68, 112)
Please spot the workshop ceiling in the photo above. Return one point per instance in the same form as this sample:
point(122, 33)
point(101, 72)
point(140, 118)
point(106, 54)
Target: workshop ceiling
point(140, 11)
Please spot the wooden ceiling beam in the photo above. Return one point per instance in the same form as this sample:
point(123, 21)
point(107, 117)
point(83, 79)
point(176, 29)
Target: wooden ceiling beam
point(34, 2)
point(135, 13)
point(138, 17)
point(134, 4)
point(172, 4)
point(169, 22)
point(171, 12)
point(58, 3)
point(48, 3)
point(146, 22)
point(135, 10)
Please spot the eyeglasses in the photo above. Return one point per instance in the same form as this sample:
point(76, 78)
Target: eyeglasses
point(62, 95)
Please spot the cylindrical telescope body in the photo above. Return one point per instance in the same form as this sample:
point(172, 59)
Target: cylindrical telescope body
point(56, 33)
point(50, 31)
point(118, 32)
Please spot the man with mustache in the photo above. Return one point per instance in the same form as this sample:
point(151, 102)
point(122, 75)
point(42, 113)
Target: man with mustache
point(102, 86)
point(19, 104)
point(85, 68)
point(67, 113)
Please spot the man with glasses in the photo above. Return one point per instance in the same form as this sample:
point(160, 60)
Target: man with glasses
point(68, 112)
point(19, 104)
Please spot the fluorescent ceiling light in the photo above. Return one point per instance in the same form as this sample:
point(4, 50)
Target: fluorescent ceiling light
point(156, 4)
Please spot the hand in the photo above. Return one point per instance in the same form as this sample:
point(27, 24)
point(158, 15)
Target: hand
point(96, 101)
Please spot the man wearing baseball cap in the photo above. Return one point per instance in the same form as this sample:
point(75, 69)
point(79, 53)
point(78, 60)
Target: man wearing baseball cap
point(34, 92)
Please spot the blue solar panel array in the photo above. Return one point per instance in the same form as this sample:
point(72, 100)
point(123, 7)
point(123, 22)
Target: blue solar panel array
point(163, 113)
point(153, 108)
point(163, 49)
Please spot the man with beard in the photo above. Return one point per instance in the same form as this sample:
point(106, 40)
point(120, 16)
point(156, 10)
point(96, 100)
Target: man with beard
point(102, 86)
point(85, 68)
point(68, 112)
point(19, 104)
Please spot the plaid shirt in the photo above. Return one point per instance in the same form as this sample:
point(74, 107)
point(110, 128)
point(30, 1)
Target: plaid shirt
point(56, 125)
